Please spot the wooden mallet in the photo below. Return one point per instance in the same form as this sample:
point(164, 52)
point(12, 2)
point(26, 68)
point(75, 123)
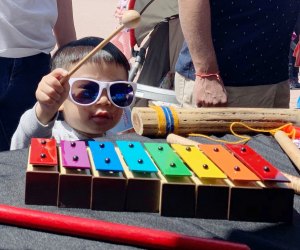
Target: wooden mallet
point(130, 19)
point(109, 231)
point(293, 153)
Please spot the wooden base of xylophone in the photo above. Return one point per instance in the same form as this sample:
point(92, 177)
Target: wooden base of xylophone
point(261, 203)
point(41, 184)
point(175, 196)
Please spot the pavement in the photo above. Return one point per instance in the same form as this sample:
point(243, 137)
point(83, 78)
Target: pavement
point(94, 17)
point(295, 94)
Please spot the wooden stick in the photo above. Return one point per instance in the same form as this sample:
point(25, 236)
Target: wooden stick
point(93, 52)
point(293, 153)
point(108, 231)
point(176, 139)
point(130, 19)
point(288, 147)
point(294, 184)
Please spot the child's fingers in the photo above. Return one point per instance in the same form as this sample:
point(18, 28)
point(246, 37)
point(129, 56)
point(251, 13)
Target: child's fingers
point(54, 81)
point(51, 91)
point(54, 92)
point(48, 89)
point(59, 73)
point(45, 99)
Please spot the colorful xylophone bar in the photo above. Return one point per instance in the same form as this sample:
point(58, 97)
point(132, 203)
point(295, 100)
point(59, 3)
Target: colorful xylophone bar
point(210, 181)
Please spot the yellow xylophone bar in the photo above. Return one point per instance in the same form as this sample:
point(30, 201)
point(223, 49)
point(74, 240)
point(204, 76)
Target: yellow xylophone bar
point(184, 182)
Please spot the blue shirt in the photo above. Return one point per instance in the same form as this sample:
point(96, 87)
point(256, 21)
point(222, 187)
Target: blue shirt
point(251, 39)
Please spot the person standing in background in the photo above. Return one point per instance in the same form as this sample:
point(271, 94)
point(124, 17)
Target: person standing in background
point(293, 69)
point(29, 31)
point(122, 40)
point(236, 53)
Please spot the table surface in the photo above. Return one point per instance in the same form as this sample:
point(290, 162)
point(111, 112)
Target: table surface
point(256, 235)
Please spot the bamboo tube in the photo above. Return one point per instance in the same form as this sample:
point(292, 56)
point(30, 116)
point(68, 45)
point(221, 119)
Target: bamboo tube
point(213, 120)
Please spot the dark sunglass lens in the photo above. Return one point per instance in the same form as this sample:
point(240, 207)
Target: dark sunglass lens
point(122, 94)
point(84, 91)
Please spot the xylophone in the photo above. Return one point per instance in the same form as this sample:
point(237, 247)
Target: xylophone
point(205, 181)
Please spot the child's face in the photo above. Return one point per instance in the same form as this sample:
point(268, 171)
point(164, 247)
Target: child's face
point(95, 119)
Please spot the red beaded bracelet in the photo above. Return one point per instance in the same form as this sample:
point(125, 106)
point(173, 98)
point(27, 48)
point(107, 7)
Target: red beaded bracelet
point(205, 75)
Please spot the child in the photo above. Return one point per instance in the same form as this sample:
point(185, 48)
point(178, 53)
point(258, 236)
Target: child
point(91, 101)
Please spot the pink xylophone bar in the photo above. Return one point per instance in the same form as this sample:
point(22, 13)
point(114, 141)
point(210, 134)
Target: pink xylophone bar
point(109, 231)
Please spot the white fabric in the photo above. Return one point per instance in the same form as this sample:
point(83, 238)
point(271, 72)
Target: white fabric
point(26, 27)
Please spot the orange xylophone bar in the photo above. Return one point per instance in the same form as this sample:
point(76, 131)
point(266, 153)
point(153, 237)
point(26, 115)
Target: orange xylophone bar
point(109, 231)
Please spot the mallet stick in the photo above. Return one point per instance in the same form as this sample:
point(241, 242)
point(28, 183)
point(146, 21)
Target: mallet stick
point(288, 147)
point(130, 19)
point(108, 231)
point(177, 139)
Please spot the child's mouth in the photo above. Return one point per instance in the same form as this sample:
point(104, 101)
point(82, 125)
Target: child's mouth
point(101, 116)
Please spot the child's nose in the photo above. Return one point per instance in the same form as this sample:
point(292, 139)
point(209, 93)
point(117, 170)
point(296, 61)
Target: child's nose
point(103, 100)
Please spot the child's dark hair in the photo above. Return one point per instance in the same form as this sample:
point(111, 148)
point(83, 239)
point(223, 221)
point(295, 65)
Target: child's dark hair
point(74, 51)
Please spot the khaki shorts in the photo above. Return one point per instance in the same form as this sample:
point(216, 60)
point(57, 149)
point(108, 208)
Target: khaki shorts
point(261, 96)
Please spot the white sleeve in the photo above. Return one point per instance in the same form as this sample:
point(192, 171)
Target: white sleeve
point(29, 127)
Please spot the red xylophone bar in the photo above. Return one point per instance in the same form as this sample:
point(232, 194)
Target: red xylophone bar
point(108, 231)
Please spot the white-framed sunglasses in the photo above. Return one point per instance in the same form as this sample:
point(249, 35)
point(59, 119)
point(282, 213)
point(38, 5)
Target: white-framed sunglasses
point(86, 91)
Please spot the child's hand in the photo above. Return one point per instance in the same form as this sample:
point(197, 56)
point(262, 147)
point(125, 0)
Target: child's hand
point(50, 94)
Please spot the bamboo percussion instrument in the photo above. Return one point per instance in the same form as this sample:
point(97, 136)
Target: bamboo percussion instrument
point(130, 19)
point(160, 121)
point(284, 141)
point(172, 179)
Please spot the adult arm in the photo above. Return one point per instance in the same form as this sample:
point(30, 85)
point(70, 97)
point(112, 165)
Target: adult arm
point(195, 19)
point(64, 28)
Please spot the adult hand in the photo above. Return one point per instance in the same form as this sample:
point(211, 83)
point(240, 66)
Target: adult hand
point(209, 92)
point(52, 91)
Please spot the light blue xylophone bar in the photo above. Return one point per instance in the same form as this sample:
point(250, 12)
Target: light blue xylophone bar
point(135, 157)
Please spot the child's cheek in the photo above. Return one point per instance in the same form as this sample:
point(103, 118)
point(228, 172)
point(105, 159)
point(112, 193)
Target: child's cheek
point(117, 114)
